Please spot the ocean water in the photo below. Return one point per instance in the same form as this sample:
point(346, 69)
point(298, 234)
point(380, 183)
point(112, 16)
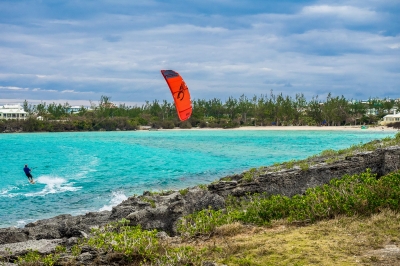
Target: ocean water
point(92, 171)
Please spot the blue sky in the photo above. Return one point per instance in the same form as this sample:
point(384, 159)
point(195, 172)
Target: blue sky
point(75, 51)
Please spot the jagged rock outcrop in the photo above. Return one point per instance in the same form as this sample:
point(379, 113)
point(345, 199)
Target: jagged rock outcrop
point(162, 211)
point(294, 181)
point(159, 211)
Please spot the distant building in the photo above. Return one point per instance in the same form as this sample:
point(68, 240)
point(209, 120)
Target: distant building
point(77, 108)
point(74, 109)
point(392, 118)
point(15, 112)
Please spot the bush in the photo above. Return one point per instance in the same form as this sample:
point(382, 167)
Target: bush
point(231, 124)
point(185, 125)
point(167, 124)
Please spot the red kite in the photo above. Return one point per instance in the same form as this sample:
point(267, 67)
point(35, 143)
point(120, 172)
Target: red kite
point(180, 93)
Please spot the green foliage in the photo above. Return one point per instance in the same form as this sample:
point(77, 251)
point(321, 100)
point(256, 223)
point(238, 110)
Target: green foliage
point(131, 241)
point(60, 249)
point(277, 167)
point(185, 125)
point(50, 260)
point(260, 110)
point(250, 175)
point(203, 187)
point(331, 160)
point(304, 166)
point(151, 201)
point(183, 192)
point(328, 153)
point(76, 250)
point(362, 194)
point(203, 222)
point(31, 258)
point(289, 164)
point(140, 246)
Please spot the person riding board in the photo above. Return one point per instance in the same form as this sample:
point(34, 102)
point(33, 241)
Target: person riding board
point(28, 173)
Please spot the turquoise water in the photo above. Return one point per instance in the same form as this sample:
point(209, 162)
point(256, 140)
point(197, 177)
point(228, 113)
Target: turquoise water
point(91, 171)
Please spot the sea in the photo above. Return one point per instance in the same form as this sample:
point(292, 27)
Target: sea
point(80, 172)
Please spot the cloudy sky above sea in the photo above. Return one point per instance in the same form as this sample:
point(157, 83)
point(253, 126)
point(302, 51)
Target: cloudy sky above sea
point(77, 50)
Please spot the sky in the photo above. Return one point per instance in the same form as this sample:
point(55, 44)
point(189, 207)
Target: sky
point(75, 51)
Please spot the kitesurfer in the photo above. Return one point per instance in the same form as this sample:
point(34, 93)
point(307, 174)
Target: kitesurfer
point(28, 173)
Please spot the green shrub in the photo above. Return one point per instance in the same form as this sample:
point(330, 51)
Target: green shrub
point(203, 222)
point(289, 164)
point(183, 192)
point(129, 240)
point(250, 175)
point(151, 201)
point(304, 166)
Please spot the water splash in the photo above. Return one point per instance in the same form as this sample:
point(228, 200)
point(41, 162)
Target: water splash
point(52, 185)
point(117, 198)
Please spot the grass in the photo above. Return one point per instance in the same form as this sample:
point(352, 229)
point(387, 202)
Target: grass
point(340, 241)
point(149, 200)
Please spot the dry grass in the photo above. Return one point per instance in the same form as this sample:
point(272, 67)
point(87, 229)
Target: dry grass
point(342, 241)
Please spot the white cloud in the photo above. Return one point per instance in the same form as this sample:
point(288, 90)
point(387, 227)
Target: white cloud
point(394, 46)
point(12, 88)
point(43, 90)
point(343, 12)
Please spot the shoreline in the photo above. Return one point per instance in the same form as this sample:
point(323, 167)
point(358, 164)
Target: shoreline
point(243, 128)
point(298, 128)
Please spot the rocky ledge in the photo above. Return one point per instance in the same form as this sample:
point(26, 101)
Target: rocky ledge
point(162, 211)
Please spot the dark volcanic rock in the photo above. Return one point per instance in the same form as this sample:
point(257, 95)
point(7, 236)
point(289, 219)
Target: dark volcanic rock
point(294, 181)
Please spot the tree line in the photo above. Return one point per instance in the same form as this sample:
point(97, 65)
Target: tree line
point(263, 110)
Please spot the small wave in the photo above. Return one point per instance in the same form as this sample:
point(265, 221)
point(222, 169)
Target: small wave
point(53, 185)
point(117, 198)
point(6, 190)
point(88, 168)
point(22, 223)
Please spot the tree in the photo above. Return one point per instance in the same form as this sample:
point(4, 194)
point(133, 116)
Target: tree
point(27, 107)
point(244, 106)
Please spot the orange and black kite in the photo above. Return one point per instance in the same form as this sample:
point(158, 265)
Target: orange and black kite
point(180, 92)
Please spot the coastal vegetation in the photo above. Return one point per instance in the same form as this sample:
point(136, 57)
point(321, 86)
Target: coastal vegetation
point(352, 220)
point(263, 110)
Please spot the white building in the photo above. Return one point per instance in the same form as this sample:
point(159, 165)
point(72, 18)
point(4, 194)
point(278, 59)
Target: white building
point(395, 117)
point(15, 111)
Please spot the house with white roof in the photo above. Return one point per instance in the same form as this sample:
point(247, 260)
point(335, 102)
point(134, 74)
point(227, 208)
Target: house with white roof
point(391, 118)
point(13, 111)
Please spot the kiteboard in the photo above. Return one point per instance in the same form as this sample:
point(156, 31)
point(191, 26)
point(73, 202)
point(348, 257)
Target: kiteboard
point(32, 181)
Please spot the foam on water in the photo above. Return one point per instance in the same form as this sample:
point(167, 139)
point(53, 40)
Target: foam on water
point(52, 185)
point(116, 198)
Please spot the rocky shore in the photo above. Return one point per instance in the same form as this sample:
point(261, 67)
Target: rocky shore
point(162, 211)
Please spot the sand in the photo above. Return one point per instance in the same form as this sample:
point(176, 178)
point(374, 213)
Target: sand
point(276, 128)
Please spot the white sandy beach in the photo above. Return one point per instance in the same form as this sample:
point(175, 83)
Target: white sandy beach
point(320, 128)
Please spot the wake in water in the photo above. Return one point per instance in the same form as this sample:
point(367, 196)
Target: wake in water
point(117, 198)
point(52, 185)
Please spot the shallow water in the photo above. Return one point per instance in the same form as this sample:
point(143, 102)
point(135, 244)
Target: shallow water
point(90, 171)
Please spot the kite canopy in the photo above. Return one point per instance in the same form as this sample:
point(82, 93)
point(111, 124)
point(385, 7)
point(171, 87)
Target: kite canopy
point(180, 93)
